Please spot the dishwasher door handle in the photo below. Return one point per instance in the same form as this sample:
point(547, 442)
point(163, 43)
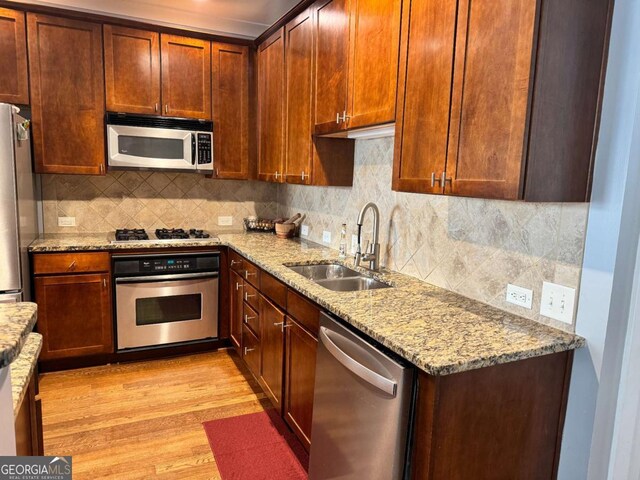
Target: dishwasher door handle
point(382, 383)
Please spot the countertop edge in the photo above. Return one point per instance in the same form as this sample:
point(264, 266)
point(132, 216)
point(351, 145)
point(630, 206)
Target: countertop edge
point(11, 340)
point(23, 368)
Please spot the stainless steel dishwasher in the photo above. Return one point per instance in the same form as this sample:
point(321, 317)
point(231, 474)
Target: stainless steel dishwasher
point(362, 406)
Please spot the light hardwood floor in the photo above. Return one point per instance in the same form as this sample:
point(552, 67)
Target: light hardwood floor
point(143, 420)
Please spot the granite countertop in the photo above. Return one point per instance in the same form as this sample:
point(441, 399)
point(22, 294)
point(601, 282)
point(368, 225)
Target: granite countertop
point(23, 367)
point(437, 330)
point(16, 322)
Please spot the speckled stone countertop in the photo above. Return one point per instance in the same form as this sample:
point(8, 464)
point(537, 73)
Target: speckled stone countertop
point(16, 322)
point(439, 331)
point(23, 367)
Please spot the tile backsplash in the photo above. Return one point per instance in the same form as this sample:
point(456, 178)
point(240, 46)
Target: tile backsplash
point(471, 246)
point(151, 200)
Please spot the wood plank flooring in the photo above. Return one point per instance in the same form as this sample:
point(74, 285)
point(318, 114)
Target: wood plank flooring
point(143, 420)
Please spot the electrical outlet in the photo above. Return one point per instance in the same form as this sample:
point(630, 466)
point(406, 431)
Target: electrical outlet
point(558, 302)
point(304, 230)
point(225, 221)
point(66, 221)
point(520, 296)
point(354, 243)
point(326, 237)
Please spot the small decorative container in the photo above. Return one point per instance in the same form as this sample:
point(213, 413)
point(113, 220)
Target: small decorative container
point(255, 224)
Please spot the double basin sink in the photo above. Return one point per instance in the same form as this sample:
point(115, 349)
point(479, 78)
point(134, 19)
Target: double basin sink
point(338, 278)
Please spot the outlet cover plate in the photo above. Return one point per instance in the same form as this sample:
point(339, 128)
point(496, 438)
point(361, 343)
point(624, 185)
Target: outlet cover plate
point(66, 221)
point(304, 230)
point(523, 297)
point(326, 237)
point(354, 243)
point(225, 221)
point(558, 302)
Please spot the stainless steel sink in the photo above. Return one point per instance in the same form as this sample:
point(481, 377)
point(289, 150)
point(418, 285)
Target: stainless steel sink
point(338, 278)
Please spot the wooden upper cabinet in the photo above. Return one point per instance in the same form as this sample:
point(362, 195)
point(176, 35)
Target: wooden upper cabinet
point(271, 105)
point(332, 64)
point(67, 95)
point(505, 115)
point(230, 93)
point(186, 77)
point(299, 100)
point(132, 70)
point(425, 82)
point(14, 81)
point(490, 97)
point(373, 72)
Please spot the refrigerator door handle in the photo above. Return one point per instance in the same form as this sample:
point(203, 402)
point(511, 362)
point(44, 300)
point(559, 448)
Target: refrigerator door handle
point(382, 383)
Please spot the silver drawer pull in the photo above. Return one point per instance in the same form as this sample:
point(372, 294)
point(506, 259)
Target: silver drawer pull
point(238, 286)
point(246, 274)
point(247, 350)
point(72, 266)
point(247, 318)
point(247, 296)
point(235, 262)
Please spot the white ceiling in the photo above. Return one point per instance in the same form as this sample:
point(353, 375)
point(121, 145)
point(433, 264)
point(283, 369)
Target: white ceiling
point(237, 18)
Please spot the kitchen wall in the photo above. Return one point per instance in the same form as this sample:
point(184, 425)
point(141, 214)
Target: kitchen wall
point(151, 200)
point(471, 246)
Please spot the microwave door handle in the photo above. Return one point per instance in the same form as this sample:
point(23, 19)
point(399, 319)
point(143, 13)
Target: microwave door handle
point(193, 149)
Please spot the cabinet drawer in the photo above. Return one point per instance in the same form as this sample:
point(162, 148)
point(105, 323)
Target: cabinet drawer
point(251, 319)
point(236, 262)
point(274, 289)
point(251, 351)
point(303, 311)
point(251, 296)
point(70, 263)
point(251, 274)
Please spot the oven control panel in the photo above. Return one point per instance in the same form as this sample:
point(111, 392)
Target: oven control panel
point(167, 264)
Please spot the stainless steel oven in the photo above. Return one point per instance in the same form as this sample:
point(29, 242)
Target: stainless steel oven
point(166, 298)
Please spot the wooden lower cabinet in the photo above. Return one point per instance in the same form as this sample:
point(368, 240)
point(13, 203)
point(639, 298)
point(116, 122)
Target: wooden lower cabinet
point(299, 379)
point(251, 351)
point(28, 423)
point(74, 315)
point(272, 350)
point(236, 289)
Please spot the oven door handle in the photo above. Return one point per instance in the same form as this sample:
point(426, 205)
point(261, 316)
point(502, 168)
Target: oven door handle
point(164, 278)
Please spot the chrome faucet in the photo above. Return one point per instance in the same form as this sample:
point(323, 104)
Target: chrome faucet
point(371, 255)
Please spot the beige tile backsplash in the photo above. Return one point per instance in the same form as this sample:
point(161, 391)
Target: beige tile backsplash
point(471, 246)
point(151, 200)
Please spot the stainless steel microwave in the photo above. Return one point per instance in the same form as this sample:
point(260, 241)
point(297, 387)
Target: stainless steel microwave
point(159, 143)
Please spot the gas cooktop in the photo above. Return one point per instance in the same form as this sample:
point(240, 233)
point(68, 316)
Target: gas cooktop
point(170, 235)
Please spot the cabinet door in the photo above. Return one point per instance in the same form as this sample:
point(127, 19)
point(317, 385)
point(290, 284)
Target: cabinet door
point(272, 346)
point(186, 77)
point(299, 100)
point(236, 289)
point(14, 83)
point(271, 117)
point(373, 74)
point(332, 64)
point(424, 96)
point(132, 70)
point(67, 95)
point(494, 45)
point(230, 93)
point(251, 351)
point(74, 315)
point(300, 372)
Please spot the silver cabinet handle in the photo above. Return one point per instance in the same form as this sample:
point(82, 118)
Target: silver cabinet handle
point(247, 296)
point(345, 117)
point(238, 286)
point(101, 168)
point(368, 375)
point(217, 172)
point(444, 179)
point(338, 117)
point(246, 350)
point(104, 282)
point(72, 266)
point(247, 318)
point(435, 180)
point(246, 274)
point(303, 175)
point(277, 175)
point(156, 108)
point(235, 262)
point(166, 108)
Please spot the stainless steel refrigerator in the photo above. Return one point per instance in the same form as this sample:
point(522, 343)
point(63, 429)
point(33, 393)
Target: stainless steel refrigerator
point(18, 210)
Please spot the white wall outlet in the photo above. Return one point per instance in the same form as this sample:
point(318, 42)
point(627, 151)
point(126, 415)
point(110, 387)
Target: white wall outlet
point(354, 243)
point(225, 221)
point(66, 221)
point(326, 237)
point(304, 230)
point(520, 296)
point(558, 302)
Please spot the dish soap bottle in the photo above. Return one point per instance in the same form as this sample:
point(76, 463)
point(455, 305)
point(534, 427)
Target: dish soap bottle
point(343, 242)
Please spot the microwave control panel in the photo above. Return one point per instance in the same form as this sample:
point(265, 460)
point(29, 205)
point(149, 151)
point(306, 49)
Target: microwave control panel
point(204, 148)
